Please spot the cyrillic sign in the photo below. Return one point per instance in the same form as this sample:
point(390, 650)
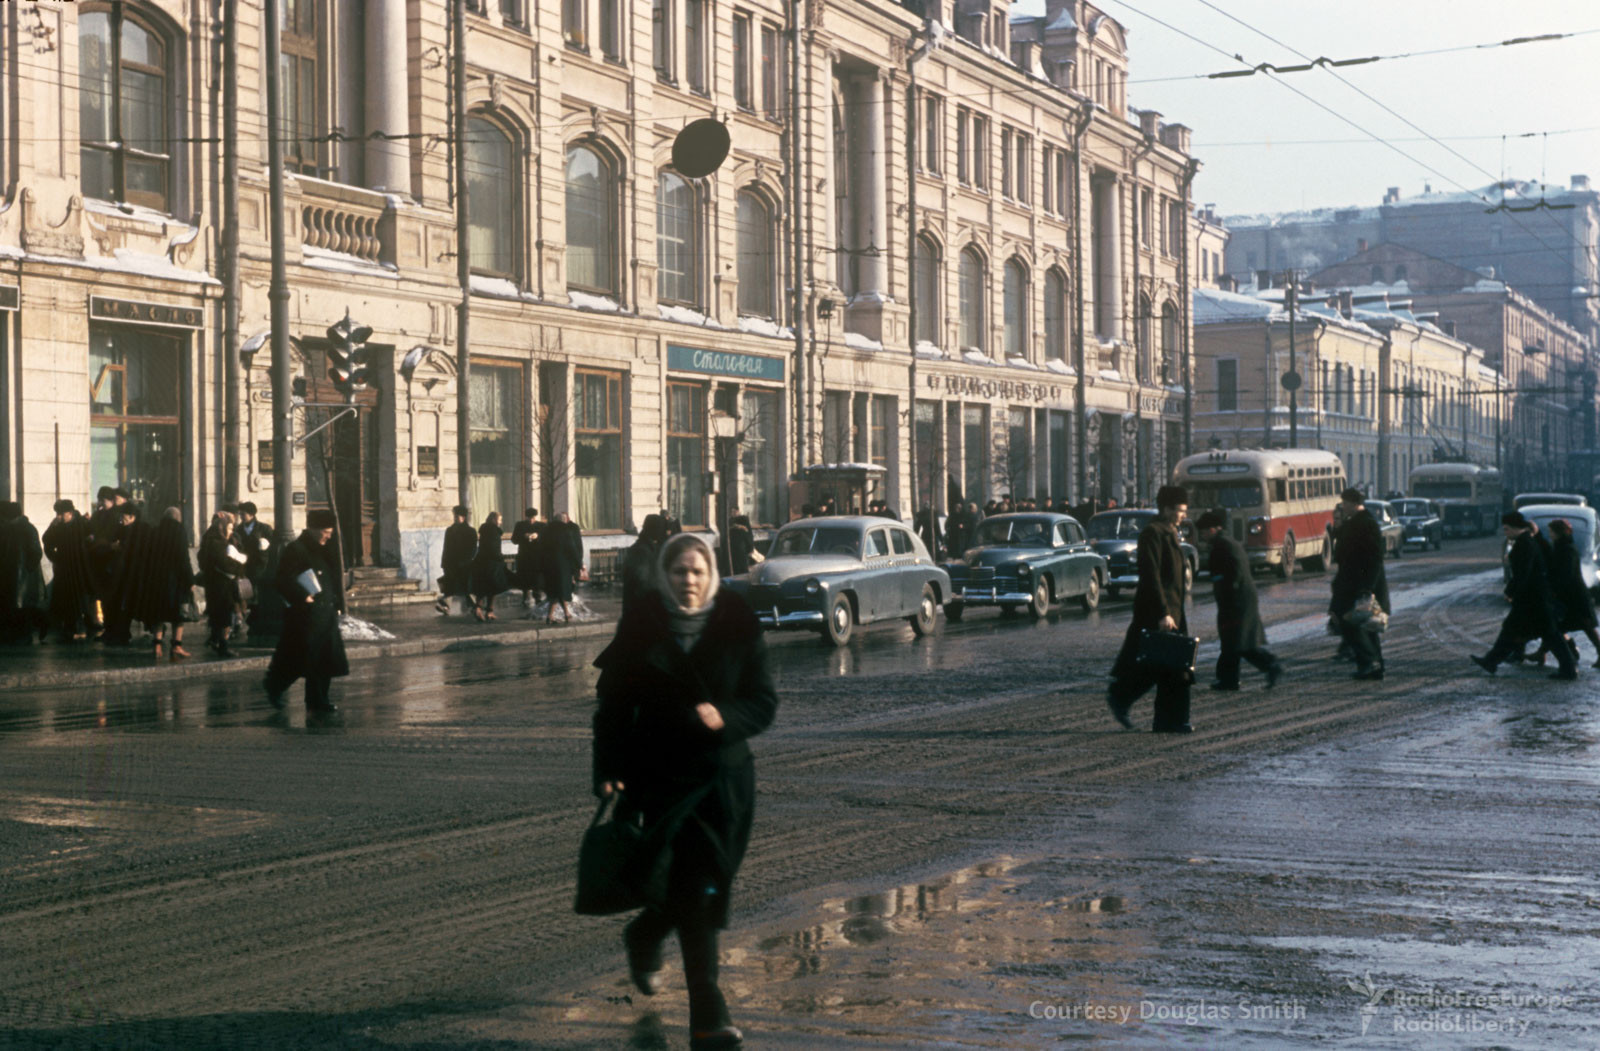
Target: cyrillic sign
point(724, 363)
point(165, 314)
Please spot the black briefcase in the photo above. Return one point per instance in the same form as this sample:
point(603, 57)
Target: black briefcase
point(1168, 652)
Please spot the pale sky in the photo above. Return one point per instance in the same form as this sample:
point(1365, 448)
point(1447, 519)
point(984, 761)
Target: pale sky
point(1545, 87)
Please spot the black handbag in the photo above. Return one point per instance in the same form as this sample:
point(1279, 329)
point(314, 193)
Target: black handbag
point(607, 858)
point(1167, 652)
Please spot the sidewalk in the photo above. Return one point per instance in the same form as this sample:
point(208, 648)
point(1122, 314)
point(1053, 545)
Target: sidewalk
point(417, 629)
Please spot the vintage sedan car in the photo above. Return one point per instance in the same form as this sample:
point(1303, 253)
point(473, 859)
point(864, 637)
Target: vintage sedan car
point(832, 573)
point(1026, 559)
point(1585, 523)
point(1522, 500)
point(1115, 537)
point(1394, 534)
point(1420, 522)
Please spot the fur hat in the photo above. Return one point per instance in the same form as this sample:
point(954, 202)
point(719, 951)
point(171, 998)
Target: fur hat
point(1353, 496)
point(1212, 519)
point(322, 519)
point(61, 507)
point(1515, 519)
point(1171, 496)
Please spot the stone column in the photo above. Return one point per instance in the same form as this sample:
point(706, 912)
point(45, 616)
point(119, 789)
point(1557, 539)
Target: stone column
point(873, 207)
point(388, 98)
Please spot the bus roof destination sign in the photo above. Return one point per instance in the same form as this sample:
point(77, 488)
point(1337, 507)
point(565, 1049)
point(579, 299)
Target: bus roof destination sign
point(724, 363)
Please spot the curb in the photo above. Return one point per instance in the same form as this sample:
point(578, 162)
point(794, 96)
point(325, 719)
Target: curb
point(214, 668)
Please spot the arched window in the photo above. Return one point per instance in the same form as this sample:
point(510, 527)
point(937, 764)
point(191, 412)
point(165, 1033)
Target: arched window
point(676, 243)
point(1141, 338)
point(591, 221)
point(758, 256)
point(123, 107)
point(1055, 315)
point(1016, 304)
point(491, 197)
point(1169, 343)
point(927, 278)
point(972, 312)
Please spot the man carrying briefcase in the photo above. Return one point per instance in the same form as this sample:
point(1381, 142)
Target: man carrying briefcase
point(1157, 606)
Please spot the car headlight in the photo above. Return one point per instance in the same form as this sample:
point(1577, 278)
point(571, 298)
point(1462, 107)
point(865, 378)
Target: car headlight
point(1023, 571)
point(813, 586)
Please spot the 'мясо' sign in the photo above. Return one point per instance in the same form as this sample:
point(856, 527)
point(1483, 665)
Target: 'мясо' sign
point(103, 309)
point(724, 363)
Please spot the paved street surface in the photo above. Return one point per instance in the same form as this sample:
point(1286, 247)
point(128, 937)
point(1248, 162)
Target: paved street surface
point(954, 847)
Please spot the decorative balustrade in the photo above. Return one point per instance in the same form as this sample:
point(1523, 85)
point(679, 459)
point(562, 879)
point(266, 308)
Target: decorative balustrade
point(345, 219)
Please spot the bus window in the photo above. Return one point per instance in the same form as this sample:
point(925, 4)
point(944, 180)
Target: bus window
point(1280, 490)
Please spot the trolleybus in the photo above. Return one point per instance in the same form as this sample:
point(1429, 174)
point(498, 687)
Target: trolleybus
point(1468, 495)
point(1279, 501)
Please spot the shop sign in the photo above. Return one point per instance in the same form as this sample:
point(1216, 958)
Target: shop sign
point(129, 310)
point(427, 461)
point(1010, 390)
point(266, 456)
point(8, 297)
point(1159, 406)
point(724, 363)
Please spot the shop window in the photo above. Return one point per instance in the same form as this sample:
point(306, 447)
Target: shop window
point(499, 473)
point(758, 457)
point(686, 446)
point(597, 461)
point(123, 107)
point(135, 378)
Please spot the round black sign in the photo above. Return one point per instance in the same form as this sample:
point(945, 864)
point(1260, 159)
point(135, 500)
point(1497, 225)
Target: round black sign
point(701, 147)
point(1291, 380)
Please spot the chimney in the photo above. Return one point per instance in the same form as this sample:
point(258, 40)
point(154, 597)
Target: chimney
point(1176, 137)
point(1149, 123)
point(1580, 182)
point(1263, 279)
point(1449, 328)
point(1347, 303)
point(1391, 195)
point(1361, 244)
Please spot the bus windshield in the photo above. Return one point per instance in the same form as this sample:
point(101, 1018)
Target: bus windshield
point(1442, 490)
point(1232, 494)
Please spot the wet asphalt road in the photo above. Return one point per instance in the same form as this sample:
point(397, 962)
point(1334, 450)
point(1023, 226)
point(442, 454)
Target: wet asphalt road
point(954, 847)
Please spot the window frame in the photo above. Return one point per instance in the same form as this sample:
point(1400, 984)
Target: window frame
point(972, 306)
point(1016, 336)
point(612, 426)
point(772, 79)
point(743, 38)
point(300, 47)
point(679, 437)
point(1055, 276)
point(663, 41)
point(509, 221)
point(697, 33)
point(928, 281)
point(690, 242)
point(932, 153)
point(608, 253)
point(768, 282)
point(980, 153)
point(117, 149)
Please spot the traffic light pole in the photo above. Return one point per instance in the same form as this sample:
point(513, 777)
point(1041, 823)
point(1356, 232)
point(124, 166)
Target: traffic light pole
point(278, 297)
point(458, 95)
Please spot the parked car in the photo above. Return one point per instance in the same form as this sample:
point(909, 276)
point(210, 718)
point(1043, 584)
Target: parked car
point(1026, 559)
point(1522, 500)
point(832, 573)
point(1115, 537)
point(1394, 534)
point(1420, 522)
point(1585, 536)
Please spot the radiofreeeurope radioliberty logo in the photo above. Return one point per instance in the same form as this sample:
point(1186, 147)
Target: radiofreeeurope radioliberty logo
point(1453, 1012)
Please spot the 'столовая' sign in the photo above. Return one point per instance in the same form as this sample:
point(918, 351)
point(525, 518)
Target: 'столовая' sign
point(724, 363)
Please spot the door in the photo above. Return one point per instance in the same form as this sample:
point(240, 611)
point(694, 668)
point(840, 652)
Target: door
point(878, 577)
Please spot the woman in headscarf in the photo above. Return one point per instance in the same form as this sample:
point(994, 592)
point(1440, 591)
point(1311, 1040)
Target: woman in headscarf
point(683, 685)
point(161, 582)
point(488, 568)
point(220, 567)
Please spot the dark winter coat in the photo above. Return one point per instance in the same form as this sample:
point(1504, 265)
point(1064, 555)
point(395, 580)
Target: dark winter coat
point(105, 529)
point(1532, 613)
point(1571, 594)
point(132, 541)
point(648, 735)
point(741, 542)
point(489, 565)
point(21, 573)
point(255, 546)
point(72, 593)
point(159, 577)
point(640, 574)
point(219, 573)
point(563, 558)
point(460, 547)
point(310, 644)
point(958, 533)
point(1238, 612)
point(1160, 594)
point(928, 531)
point(528, 536)
point(1358, 550)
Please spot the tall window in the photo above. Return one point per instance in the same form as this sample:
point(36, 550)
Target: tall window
point(492, 200)
point(1016, 305)
point(122, 109)
point(575, 24)
point(499, 469)
point(971, 280)
point(696, 42)
point(980, 152)
point(975, 451)
point(758, 457)
point(1023, 159)
point(757, 256)
point(927, 276)
point(963, 144)
point(1169, 343)
point(686, 446)
point(676, 248)
point(511, 13)
point(611, 29)
point(661, 38)
point(932, 132)
point(134, 382)
point(1048, 190)
point(1006, 136)
point(591, 221)
point(298, 81)
point(1055, 315)
point(1147, 219)
point(1141, 338)
point(1227, 385)
point(597, 461)
point(742, 93)
point(771, 73)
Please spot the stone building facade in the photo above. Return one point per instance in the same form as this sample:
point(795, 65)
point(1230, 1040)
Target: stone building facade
point(632, 340)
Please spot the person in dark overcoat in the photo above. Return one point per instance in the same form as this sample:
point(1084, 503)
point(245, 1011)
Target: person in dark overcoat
point(105, 530)
point(640, 562)
point(563, 561)
point(527, 535)
point(1532, 613)
point(253, 539)
point(1239, 627)
point(741, 542)
point(958, 529)
point(928, 530)
point(22, 589)
point(219, 573)
point(1158, 605)
point(158, 582)
point(683, 686)
point(1568, 589)
point(72, 593)
point(460, 548)
point(1358, 553)
point(310, 645)
point(488, 568)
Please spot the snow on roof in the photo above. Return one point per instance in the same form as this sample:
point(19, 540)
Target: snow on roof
point(1213, 306)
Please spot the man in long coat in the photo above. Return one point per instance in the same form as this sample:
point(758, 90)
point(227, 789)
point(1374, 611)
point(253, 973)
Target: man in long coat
point(1239, 627)
point(72, 594)
point(22, 591)
point(460, 548)
point(1532, 613)
point(528, 534)
point(1157, 606)
point(1358, 551)
point(310, 645)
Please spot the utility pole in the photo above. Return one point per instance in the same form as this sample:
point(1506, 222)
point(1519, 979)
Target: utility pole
point(230, 251)
point(1291, 379)
point(278, 295)
point(797, 239)
point(458, 97)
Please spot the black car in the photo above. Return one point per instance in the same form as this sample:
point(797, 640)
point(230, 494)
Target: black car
point(1115, 535)
point(1420, 521)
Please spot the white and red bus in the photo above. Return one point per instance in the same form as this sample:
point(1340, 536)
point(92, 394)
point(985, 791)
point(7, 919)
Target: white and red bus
point(1279, 502)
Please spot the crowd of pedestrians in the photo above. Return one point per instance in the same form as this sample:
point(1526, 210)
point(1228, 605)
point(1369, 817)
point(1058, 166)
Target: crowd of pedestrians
point(1548, 597)
point(549, 563)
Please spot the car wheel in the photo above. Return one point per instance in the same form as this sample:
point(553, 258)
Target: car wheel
point(1090, 599)
point(1286, 566)
point(1039, 601)
point(927, 610)
point(841, 620)
point(953, 610)
point(1188, 577)
point(1319, 562)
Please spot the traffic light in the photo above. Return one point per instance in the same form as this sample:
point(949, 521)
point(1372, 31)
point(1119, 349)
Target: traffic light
point(347, 355)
